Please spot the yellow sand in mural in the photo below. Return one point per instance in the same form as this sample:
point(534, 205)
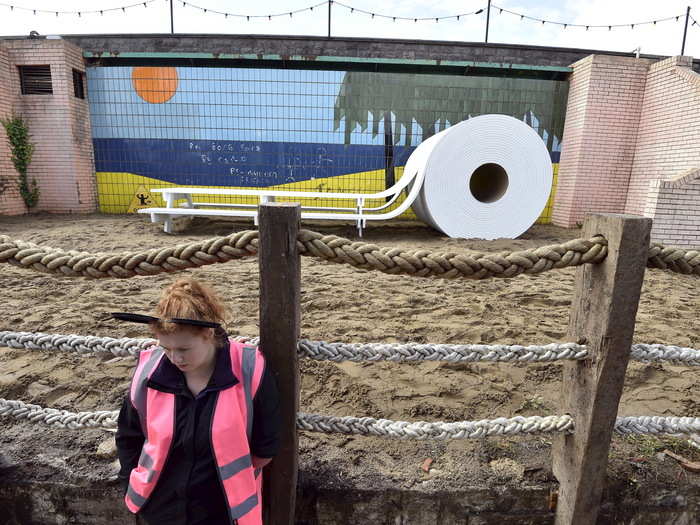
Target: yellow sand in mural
point(118, 192)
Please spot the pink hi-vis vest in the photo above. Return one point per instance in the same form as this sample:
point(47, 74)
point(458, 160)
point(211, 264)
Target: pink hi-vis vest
point(232, 423)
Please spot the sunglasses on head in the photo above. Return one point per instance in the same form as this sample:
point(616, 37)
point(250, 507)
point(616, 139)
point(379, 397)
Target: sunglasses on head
point(147, 319)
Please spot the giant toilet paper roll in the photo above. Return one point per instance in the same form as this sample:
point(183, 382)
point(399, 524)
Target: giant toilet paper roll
point(486, 177)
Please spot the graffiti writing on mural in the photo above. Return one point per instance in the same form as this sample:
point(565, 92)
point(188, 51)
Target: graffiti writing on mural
point(305, 165)
point(255, 163)
point(257, 174)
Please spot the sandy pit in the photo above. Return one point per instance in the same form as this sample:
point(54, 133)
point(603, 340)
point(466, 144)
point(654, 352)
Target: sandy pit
point(340, 303)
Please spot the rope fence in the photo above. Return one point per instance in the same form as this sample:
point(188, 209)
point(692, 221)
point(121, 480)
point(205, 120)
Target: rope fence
point(602, 303)
point(359, 352)
point(368, 426)
point(419, 263)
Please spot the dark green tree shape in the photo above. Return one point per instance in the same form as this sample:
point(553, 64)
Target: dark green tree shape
point(437, 101)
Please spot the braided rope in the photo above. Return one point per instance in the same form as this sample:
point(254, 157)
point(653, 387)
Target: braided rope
point(59, 418)
point(420, 263)
point(84, 344)
point(678, 355)
point(369, 426)
point(357, 352)
point(674, 259)
point(128, 264)
point(674, 426)
point(401, 352)
point(124, 346)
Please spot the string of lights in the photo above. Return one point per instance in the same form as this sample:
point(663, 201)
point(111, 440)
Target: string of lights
point(610, 27)
point(355, 10)
point(250, 17)
point(407, 18)
point(78, 13)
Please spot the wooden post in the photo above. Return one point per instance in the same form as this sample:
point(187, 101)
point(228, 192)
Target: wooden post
point(280, 277)
point(603, 315)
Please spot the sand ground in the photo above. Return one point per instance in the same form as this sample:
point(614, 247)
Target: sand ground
point(340, 303)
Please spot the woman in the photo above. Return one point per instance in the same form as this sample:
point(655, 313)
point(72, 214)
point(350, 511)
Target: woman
point(200, 420)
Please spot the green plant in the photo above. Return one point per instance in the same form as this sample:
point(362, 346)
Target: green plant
point(22, 150)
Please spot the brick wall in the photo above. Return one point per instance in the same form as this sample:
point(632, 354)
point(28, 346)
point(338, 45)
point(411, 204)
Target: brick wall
point(669, 129)
point(10, 201)
point(600, 135)
point(63, 163)
point(674, 205)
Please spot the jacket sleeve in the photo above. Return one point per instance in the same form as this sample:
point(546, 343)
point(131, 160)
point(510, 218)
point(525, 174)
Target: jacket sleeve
point(130, 439)
point(266, 415)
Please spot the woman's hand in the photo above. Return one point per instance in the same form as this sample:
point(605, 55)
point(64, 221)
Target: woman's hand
point(260, 462)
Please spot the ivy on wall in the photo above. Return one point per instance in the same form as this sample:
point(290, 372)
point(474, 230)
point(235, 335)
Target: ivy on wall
point(22, 150)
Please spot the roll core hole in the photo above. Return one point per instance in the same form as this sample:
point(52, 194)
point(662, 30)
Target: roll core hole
point(488, 183)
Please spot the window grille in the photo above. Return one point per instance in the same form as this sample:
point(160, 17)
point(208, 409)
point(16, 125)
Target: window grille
point(35, 80)
point(79, 83)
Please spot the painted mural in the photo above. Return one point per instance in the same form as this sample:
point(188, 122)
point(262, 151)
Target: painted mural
point(286, 129)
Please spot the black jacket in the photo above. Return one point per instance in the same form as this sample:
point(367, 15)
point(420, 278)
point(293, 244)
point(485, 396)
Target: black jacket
point(188, 491)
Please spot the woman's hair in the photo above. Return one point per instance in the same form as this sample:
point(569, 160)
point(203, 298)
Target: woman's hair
point(189, 299)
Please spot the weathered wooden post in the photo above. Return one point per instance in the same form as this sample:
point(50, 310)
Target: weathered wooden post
point(280, 278)
point(603, 315)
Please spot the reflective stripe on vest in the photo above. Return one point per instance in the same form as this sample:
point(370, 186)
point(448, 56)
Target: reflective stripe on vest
point(232, 425)
point(231, 428)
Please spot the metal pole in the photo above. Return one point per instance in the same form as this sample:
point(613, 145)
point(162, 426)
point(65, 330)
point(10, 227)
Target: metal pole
point(172, 26)
point(488, 15)
point(685, 31)
point(330, 2)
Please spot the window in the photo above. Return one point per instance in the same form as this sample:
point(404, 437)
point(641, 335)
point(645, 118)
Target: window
point(79, 83)
point(35, 80)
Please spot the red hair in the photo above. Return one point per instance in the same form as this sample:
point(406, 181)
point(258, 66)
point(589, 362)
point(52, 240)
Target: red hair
point(189, 299)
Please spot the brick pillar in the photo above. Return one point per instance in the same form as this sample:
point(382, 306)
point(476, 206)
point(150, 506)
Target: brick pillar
point(669, 131)
point(600, 133)
point(59, 124)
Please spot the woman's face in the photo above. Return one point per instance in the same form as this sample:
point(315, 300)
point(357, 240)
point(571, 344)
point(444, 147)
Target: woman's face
point(190, 351)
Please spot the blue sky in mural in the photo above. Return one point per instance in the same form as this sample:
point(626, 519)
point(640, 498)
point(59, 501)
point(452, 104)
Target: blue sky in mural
point(224, 104)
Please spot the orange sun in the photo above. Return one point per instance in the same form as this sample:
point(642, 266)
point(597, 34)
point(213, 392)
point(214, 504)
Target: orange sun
point(155, 84)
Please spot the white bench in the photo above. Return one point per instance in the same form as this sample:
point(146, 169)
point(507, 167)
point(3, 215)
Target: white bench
point(412, 180)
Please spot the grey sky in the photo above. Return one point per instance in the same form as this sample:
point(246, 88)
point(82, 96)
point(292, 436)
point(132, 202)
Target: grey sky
point(662, 38)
